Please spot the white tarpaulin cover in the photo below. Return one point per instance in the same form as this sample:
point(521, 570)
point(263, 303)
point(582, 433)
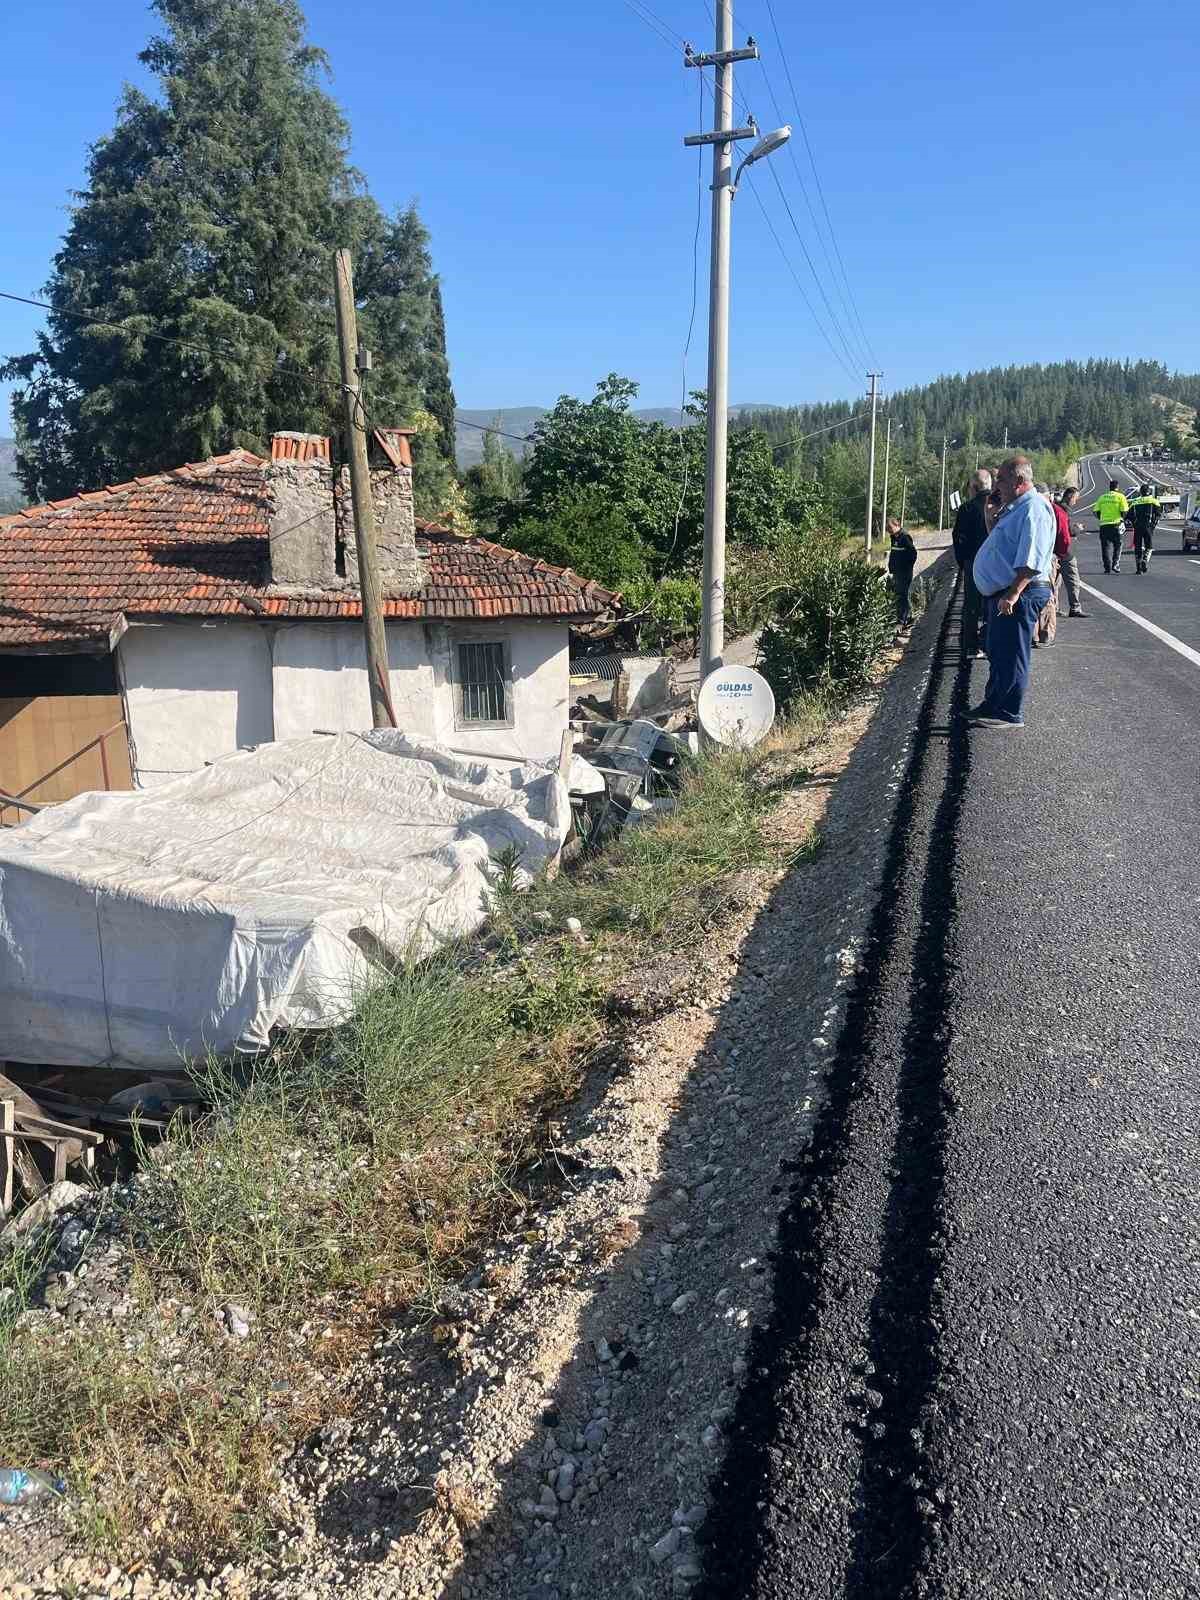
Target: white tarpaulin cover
point(148, 927)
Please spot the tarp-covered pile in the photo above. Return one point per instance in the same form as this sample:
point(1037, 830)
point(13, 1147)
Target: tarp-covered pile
point(151, 927)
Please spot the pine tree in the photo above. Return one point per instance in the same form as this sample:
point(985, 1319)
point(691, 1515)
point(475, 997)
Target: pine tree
point(208, 219)
point(204, 243)
point(401, 321)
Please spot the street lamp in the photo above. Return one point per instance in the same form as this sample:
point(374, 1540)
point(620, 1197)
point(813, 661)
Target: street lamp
point(766, 146)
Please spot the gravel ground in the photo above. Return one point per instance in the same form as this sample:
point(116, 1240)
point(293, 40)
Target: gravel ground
point(555, 1433)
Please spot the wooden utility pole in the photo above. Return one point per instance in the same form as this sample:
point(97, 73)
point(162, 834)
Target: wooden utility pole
point(360, 492)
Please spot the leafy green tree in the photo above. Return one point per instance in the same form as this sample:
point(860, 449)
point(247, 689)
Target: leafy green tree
point(588, 533)
point(652, 478)
point(495, 482)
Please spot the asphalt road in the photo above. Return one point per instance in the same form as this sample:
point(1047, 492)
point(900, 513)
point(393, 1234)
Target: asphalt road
point(981, 1379)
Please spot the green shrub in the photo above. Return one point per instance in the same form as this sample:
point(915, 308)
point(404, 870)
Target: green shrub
point(831, 616)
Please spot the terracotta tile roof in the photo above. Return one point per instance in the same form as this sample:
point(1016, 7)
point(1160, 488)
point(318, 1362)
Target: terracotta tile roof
point(194, 543)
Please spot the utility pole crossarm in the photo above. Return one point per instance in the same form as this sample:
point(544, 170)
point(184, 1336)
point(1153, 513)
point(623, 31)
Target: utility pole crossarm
point(720, 58)
point(722, 135)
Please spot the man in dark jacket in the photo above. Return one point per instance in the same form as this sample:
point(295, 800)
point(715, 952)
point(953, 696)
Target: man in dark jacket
point(902, 561)
point(1142, 516)
point(970, 531)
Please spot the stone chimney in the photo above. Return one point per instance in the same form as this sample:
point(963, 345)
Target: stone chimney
point(303, 515)
point(400, 569)
point(312, 513)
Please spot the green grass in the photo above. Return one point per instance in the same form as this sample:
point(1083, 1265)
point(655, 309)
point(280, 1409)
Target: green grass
point(349, 1177)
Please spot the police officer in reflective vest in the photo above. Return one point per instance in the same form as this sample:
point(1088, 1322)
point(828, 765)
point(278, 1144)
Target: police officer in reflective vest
point(1110, 511)
point(1142, 516)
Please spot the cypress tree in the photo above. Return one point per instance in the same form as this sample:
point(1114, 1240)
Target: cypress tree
point(439, 394)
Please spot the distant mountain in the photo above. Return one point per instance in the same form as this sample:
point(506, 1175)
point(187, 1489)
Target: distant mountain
point(518, 420)
point(11, 495)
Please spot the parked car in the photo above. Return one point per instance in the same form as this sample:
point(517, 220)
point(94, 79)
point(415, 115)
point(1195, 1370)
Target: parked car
point(1191, 531)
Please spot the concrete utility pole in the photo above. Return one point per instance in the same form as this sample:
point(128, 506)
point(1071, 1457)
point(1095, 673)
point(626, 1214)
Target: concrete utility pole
point(942, 498)
point(903, 497)
point(712, 619)
point(1006, 435)
point(887, 471)
point(874, 377)
point(360, 490)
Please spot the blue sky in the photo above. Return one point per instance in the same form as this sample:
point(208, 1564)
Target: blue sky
point(993, 200)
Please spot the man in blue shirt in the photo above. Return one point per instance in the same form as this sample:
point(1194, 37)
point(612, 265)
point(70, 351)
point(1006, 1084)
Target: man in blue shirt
point(1012, 572)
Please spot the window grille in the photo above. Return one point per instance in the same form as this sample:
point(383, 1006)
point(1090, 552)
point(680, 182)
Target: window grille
point(484, 686)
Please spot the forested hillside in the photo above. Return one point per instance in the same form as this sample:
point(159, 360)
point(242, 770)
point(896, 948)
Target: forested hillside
point(1040, 406)
point(1052, 410)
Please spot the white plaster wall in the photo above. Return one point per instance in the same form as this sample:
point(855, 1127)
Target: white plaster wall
point(320, 679)
point(197, 692)
point(194, 692)
point(541, 690)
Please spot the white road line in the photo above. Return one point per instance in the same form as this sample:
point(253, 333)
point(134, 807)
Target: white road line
point(1168, 639)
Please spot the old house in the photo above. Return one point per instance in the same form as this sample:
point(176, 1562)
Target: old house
point(153, 626)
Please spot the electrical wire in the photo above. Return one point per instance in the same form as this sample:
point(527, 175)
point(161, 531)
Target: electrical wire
point(845, 366)
point(862, 353)
point(207, 347)
point(866, 360)
point(687, 343)
point(653, 21)
point(817, 180)
point(802, 438)
point(739, 97)
point(210, 348)
point(791, 215)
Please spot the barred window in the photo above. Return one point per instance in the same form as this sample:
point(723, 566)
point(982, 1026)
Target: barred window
point(484, 685)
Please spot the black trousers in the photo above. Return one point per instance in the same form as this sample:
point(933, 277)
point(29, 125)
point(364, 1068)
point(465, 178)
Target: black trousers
point(902, 583)
point(971, 626)
point(1112, 537)
point(1143, 546)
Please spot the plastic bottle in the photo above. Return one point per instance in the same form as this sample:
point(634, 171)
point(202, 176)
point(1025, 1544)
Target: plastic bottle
point(19, 1486)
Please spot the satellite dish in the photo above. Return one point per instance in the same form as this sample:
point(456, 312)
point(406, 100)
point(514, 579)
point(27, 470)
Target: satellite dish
point(736, 707)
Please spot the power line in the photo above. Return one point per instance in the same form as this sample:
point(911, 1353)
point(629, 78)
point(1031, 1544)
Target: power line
point(862, 353)
point(687, 343)
point(787, 261)
point(817, 179)
point(485, 427)
point(833, 317)
point(854, 376)
point(653, 21)
point(801, 438)
point(210, 348)
point(207, 347)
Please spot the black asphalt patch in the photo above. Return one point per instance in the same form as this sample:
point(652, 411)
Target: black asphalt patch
point(981, 1378)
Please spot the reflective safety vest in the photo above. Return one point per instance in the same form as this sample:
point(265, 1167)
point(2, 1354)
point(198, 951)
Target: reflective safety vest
point(1144, 513)
point(1111, 507)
